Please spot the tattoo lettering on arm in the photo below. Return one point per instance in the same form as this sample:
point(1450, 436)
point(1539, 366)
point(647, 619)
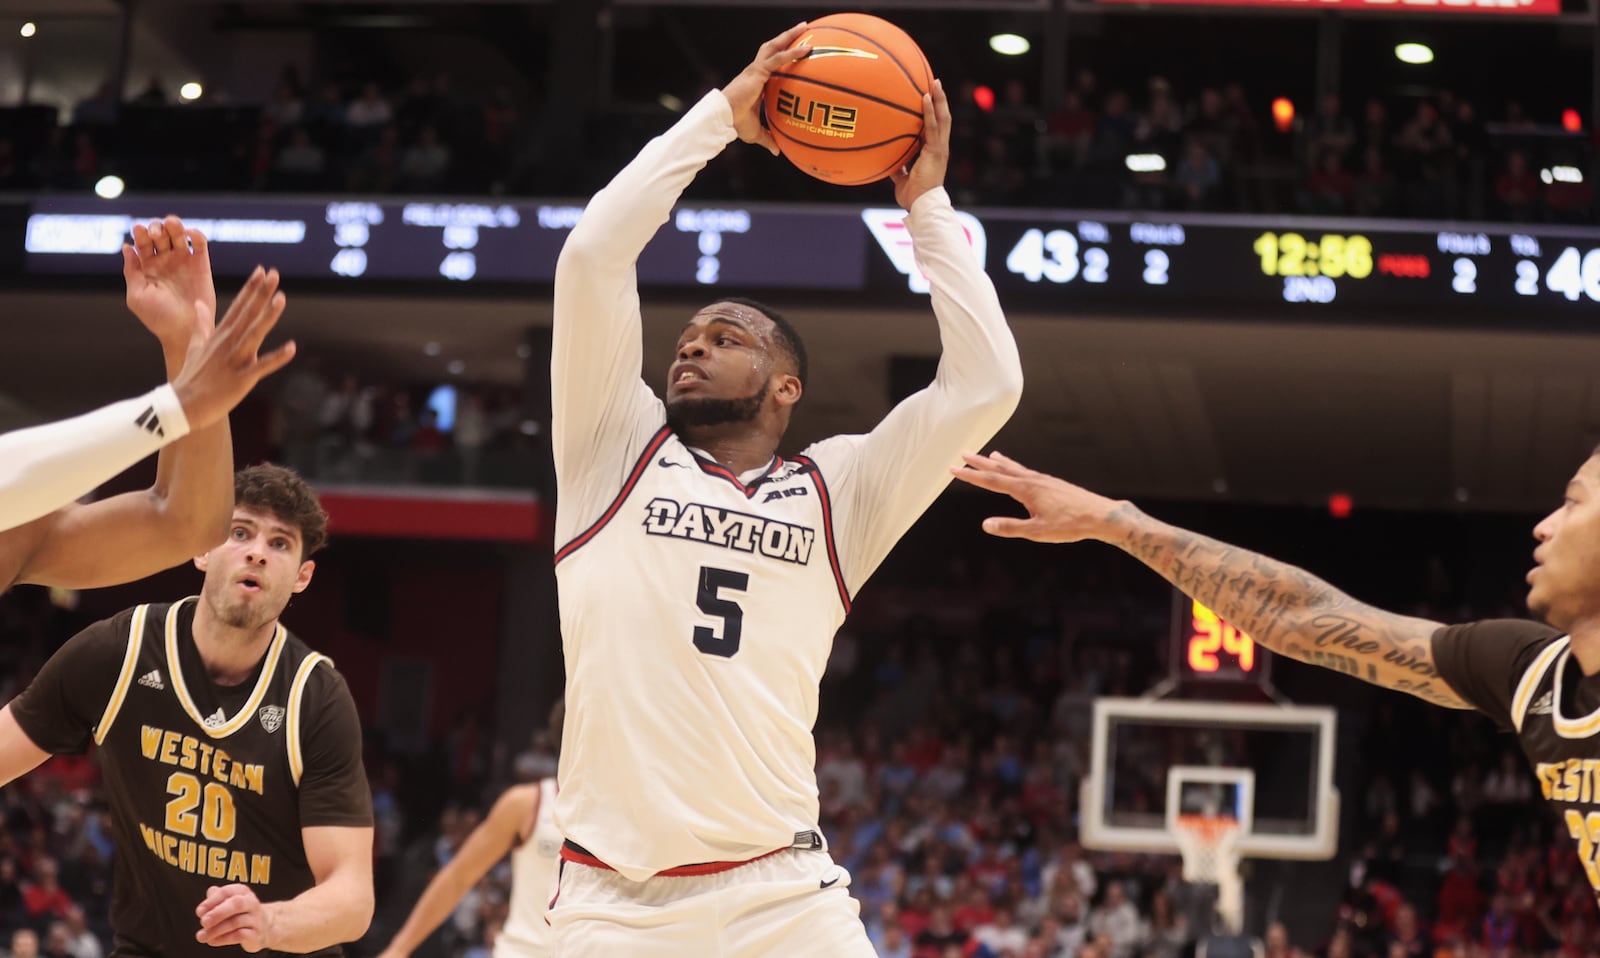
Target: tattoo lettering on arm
point(1288, 610)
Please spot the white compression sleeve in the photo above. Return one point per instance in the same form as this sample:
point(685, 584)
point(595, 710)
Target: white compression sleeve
point(42, 468)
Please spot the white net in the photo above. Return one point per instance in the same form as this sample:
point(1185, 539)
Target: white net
point(1210, 848)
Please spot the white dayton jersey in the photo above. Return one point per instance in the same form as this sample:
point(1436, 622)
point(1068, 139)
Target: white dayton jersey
point(698, 607)
point(534, 867)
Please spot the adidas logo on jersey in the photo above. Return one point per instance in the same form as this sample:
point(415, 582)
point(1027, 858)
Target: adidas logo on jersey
point(215, 719)
point(152, 680)
point(729, 529)
point(1543, 705)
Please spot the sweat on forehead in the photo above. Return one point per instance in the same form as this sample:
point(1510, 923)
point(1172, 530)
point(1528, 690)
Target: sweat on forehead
point(751, 319)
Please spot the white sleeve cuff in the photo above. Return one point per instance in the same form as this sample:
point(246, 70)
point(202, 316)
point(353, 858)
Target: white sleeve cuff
point(43, 468)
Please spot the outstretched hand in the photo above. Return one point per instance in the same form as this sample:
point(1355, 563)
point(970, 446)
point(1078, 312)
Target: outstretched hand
point(168, 269)
point(928, 170)
point(1058, 511)
point(224, 362)
point(744, 92)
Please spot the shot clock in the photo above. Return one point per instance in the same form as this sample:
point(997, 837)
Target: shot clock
point(1208, 648)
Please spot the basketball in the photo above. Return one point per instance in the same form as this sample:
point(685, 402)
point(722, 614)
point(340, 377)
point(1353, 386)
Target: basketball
point(850, 113)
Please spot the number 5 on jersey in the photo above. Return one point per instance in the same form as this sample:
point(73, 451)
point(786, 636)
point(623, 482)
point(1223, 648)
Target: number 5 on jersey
point(711, 602)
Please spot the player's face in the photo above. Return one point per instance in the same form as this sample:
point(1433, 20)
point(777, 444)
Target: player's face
point(722, 367)
point(252, 575)
point(1564, 584)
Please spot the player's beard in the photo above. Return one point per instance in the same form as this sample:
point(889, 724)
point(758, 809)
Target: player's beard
point(236, 612)
point(694, 412)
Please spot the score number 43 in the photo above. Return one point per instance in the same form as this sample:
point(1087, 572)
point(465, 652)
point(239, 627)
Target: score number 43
point(1054, 256)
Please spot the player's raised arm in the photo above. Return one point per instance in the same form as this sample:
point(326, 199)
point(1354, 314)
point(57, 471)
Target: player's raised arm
point(900, 467)
point(597, 346)
point(186, 511)
point(491, 841)
point(44, 468)
point(1286, 609)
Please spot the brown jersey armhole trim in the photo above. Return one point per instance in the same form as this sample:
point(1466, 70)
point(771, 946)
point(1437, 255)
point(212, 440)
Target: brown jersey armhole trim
point(1530, 680)
point(130, 663)
point(297, 691)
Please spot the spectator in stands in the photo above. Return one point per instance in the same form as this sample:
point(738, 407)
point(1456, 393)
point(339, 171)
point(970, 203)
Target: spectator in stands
point(1517, 190)
point(1376, 189)
point(153, 94)
point(44, 898)
point(1210, 125)
point(1118, 920)
point(1499, 930)
point(301, 163)
point(1408, 935)
point(1569, 198)
point(96, 110)
point(1071, 127)
point(425, 163)
point(369, 111)
point(891, 942)
point(471, 433)
point(81, 942)
point(24, 943)
point(1167, 935)
point(1330, 189)
point(1327, 132)
point(1199, 178)
point(1425, 153)
point(940, 933)
point(1001, 935)
point(286, 108)
point(1509, 783)
point(1460, 903)
point(56, 941)
point(1375, 132)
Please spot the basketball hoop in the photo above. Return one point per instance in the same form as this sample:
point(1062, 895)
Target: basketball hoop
point(1210, 848)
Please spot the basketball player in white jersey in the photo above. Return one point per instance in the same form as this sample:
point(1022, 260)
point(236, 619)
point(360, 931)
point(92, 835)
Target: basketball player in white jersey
point(46, 538)
point(702, 575)
point(521, 824)
point(1541, 681)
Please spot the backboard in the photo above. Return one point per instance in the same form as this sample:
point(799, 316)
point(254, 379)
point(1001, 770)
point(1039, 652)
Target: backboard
point(1269, 766)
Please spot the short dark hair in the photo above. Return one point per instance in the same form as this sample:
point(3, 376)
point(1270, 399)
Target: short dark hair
point(788, 337)
point(283, 494)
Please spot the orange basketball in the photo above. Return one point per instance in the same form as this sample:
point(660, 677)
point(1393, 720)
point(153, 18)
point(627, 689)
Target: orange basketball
point(851, 112)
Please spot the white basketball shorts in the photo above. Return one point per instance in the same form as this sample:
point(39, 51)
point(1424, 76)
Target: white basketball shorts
point(794, 904)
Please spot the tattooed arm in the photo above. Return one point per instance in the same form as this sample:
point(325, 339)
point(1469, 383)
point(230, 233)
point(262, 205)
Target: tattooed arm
point(1283, 608)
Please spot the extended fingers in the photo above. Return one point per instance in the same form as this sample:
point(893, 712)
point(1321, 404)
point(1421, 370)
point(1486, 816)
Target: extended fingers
point(941, 104)
point(159, 238)
point(143, 243)
point(780, 44)
point(936, 118)
point(197, 241)
point(274, 361)
point(250, 297)
point(992, 481)
point(176, 238)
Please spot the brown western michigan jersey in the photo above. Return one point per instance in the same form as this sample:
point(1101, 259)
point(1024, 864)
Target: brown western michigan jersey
point(207, 784)
point(1523, 676)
